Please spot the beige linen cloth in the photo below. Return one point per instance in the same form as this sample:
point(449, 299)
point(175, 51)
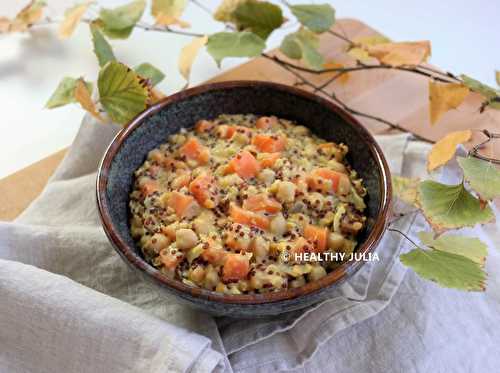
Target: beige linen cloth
point(68, 303)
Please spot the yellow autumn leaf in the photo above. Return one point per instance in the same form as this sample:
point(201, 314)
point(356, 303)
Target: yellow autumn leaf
point(30, 14)
point(82, 95)
point(359, 51)
point(444, 97)
point(72, 18)
point(188, 55)
point(168, 12)
point(344, 78)
point(497, 76)
point(404, 53)
point(166, 20)
point(444, 149)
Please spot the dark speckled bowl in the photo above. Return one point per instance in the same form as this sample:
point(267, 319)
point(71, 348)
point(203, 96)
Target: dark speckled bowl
point(151, 128)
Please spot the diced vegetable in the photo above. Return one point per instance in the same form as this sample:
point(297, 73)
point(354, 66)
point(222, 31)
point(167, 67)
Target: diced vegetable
point(335, 241)
point(170, 259)
point(261, 202)
point(249, 218)
point(192, 149)
point(181, 181)
point(268, 159)
point(264, 123)
point(203, 126)
point(183, 205)
point(149, 186)
point(244, 164)
point(269, 143)
point(235, 241)
point(214, 253)
point(185, 238)
point(204, 189)
point(317, 235)
point(286, 191)
point(236, 267)
point(329, 181)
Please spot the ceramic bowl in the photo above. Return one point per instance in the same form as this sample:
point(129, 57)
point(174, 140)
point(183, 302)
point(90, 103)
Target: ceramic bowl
point(148, 130)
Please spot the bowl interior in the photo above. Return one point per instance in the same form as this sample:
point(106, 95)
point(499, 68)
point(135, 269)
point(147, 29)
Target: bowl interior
point(150, 130)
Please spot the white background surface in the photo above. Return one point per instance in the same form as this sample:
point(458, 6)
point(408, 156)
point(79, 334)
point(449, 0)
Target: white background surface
point(464, 37)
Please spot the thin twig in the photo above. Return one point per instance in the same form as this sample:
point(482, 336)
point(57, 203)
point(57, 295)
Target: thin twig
point(144, 26)
point(474, 152)
point(340, 36)
point(344, 105)
point(414, 70)
point(404, 235)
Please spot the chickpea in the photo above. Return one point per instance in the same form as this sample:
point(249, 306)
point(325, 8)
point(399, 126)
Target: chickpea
point(197, 275)
point(158, 242)
point(344, 186)
point(278, 225)
point(286, 191)
point(266, 176)
point(185, 238)
point(316, 273)
point(335, 241)
point(204, 223)
point(260, 248)
point(211, 277)
point(336, 166)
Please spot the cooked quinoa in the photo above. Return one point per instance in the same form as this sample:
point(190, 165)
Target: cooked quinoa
point(227, 205)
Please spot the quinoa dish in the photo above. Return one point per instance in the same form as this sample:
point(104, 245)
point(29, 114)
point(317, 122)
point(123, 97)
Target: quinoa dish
point(233, 204)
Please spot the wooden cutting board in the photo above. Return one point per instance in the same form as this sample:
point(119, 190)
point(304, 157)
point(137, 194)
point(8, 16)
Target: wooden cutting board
point(397, 96)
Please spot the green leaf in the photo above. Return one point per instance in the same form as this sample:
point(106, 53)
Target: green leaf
point(317, 18)
point(234, 44)
point(405, 189)
point(470, 247)
point(447, 269)
point(148, 71)
point(259, 17)
point(477, 86)
point(482, 176)
point(303, 44)
point(102, 49)
point(119, 22)
point(65, 93)
point(451, 206)
point(121, 93)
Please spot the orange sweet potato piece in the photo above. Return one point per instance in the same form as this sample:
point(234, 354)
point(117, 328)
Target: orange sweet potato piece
point(244, 164)
point(264, 123)
point(170, 260)
point(192, 149)
point(214, 253)
point(318, 177)
point(261, 202)
point(182, 204)
point(203, 126)
point(204, 189)
point(269, 143)
point(236, 267)
point(268, 159)
point(249, 218)
point(316, 235)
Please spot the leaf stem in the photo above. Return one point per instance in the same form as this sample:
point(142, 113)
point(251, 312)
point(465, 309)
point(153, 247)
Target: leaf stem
point(404, 235)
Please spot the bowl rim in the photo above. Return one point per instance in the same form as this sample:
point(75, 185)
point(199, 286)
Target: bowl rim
point(341, 273)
